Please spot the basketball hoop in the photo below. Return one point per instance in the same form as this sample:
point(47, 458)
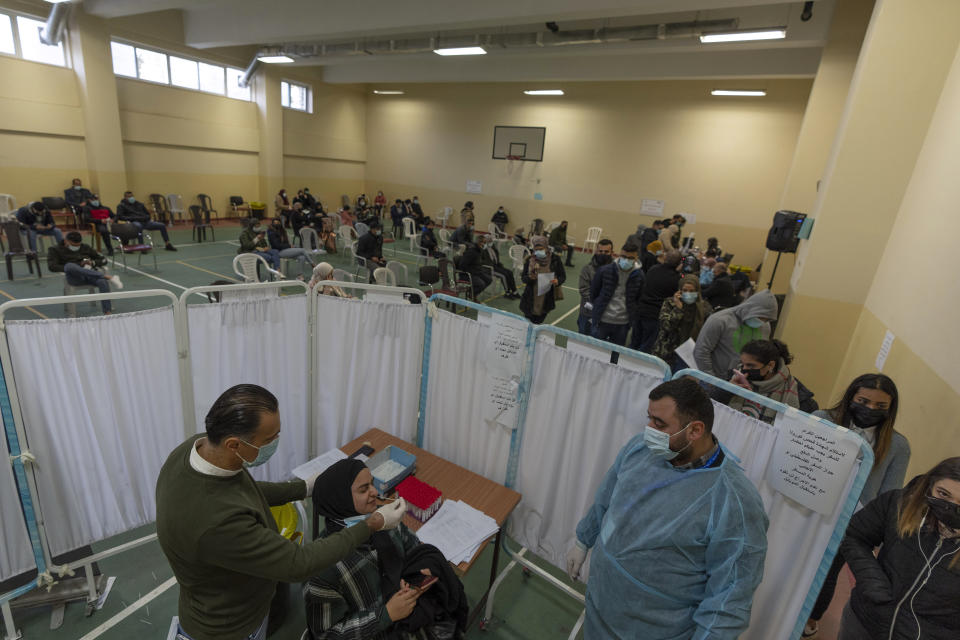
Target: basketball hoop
point(513, 157)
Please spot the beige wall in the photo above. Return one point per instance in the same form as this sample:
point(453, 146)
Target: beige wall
point(607, 146)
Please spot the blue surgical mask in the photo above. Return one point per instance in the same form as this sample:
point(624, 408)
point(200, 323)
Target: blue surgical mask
point(263, 453)
point(625, 263)
point(706, 277)
point(131, 199)
point(688, 297)
point(540, 253)
point(352, 520)
point(77, 187)
point(95, 203)
point(753, 323)
point(73, 247)
point(659, 442)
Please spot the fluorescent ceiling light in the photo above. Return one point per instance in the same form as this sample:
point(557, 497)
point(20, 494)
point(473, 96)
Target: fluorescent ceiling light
point(57, 1)
point(388, 93)
point(728, 92)
point(545, 92)
point(275, 59)
point(742, 36)
point(461, 51)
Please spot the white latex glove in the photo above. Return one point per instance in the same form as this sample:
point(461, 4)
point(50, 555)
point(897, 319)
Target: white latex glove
point(575, 558)
point(392, 513)
point(310, 482)
point(588, 306)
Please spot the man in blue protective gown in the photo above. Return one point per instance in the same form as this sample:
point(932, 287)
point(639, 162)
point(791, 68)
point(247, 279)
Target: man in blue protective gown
point(678, 532)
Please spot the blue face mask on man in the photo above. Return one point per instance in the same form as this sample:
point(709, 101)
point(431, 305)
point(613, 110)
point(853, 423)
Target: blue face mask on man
point(263, 453)
point(659, 442)
point(753, 323)
point(625, 263)
point(131, 199)
point(540, 253)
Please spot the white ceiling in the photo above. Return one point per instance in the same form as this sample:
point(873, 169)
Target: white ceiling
point(220, 23)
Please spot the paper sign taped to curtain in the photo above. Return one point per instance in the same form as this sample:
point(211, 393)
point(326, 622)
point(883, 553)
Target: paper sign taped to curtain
point(505, 345)
point(500, 400)
point(811, 462)
point(544, 282)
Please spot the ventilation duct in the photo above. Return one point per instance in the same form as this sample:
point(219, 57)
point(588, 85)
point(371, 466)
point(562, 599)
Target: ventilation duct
point(52, 32)
point(507, 41)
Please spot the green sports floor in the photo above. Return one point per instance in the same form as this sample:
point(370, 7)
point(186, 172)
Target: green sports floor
point(526, 607)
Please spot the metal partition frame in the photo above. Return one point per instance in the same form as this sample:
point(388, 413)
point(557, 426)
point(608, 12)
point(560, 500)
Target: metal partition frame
point(17, 439)
point(849, 506)
point(524, 390)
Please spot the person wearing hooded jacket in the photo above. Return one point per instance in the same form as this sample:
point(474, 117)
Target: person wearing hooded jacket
point(909, 588)
point(725, 332)
point(615, 295)
point(602, 257)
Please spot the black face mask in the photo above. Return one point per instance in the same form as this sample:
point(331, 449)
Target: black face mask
point(865, 417)
point(753, 375)
point(602, 259)
point(944, 511)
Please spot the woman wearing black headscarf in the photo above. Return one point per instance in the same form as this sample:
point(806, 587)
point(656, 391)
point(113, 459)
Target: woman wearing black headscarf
point(364, 596)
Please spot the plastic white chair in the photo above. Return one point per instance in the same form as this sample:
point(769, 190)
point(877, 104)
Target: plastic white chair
point(342, 276)
point(443, 239)
point(593, 237)
point(444, 216)
point(550, 227)
point(409, 229)
point(399, 271)
point(175, 205)
point(361, 228)
point(518, 254)
point(8, 203)
point(246, 266)
point(385, 277)
point(347, 235)
point(310, 240)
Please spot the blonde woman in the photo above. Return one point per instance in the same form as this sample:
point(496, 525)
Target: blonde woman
point(911, 588)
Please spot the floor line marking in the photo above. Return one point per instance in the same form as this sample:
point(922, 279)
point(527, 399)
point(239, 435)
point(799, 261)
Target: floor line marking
point(126, 613)
point(213, 273)
point(144, 273)
point(29, 308)
point(564, 316)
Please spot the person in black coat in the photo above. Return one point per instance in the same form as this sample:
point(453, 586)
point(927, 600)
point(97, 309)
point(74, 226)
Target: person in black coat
point(911, 588)
point(132, 210)
point(370, 247)
point(490, 257)
point(722, 293)
point(660, 283)
point(615, 295)
point(533, 304)
point(471, 262)
point(35, 219)
point(428, 241)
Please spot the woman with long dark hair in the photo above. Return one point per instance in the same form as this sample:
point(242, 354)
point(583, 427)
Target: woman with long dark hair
point(763, 369)
point(911, 588)
point(869, 407)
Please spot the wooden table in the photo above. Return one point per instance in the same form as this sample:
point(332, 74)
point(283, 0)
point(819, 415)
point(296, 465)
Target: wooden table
point(456, 483)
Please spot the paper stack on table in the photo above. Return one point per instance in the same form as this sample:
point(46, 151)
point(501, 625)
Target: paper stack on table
point(318, 465)
point(457, 530)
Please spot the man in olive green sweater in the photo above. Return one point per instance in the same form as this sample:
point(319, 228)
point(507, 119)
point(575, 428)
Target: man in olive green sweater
point(215, 527)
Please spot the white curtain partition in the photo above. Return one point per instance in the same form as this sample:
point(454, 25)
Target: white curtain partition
point(260, 341)
point(454, 427)
point(795, 532)
point(102, 426)
point(16, 555)
point(368, 369)
point(582, 410)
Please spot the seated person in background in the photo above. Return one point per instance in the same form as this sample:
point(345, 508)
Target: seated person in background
point(558, 241)
point(651, 256)
point(346, 215)
point(379, 202)
point(428, 241)
point(77, 195)
point(462, 235)
point(471, 262)
point(370, 247)
point(98, 214)
point(324, 271)
point(763, 369)
point(325, 227)
point(253, 240)
point(722, 293)
point(301, 197)
point(490, 257)
point(713, 247)
point(361, 202)
point(466, 214)
point(132, 210)
point(519, 237)
point(416, 211)
point(615, 297)
point(299, 217)
point(282, 206)
point(725, 332)
point(277, 237)
point(77, 261)
point(500, 218)
point(367, 595)
point(397, 212)
point(36, 219)
point(681, 318)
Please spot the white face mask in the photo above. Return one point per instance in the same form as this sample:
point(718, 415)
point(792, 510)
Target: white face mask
point(73, 247)
point(659, 442)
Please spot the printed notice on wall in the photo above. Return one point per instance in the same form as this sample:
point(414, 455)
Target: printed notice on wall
point(500, 402)
point(652, 207)
point(505, 345)
point(474, 186)
point(884, 350)
point(811, 463)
